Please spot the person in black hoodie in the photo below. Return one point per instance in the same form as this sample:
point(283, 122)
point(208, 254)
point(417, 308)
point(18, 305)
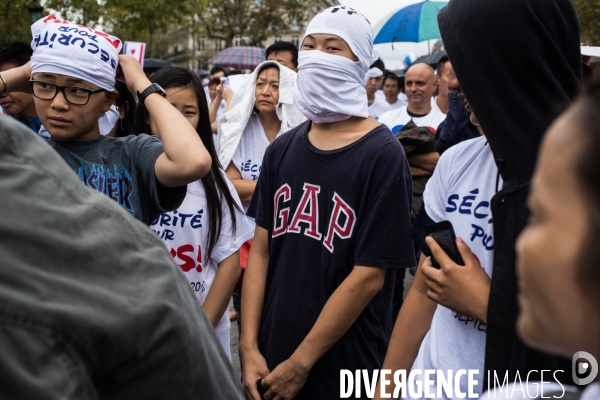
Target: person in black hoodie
point(518, 87)
point(518, 63)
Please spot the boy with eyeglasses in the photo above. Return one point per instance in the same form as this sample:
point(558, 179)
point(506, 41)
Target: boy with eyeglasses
point(147, 175)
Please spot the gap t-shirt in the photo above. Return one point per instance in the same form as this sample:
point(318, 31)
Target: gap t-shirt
point(122, 169)
point(396, 119)
point(460, 191)
point(325, 212)
point(249, 154)
point(185, 232)
point(378, 107)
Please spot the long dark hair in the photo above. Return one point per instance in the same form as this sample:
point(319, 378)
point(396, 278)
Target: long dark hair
point(126, 102)
point(214, 183)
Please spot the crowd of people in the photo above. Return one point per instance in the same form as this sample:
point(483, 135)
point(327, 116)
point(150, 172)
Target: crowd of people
point(133, 208)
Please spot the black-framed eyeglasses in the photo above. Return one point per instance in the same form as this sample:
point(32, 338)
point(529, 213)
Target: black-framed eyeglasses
point(73, 94)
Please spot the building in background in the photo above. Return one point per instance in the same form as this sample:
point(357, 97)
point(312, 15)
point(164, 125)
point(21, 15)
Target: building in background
point(191, 48)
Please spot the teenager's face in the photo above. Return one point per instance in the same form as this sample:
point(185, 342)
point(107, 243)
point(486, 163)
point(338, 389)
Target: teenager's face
point(556, 315)
point(17, 104)
point(184, 99)
point(373, 85)
point(391, 90)
point(267, 90)
point(66, 121)
point(330, 44)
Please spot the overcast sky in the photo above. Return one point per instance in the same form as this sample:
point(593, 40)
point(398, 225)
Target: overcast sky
point(375, 11)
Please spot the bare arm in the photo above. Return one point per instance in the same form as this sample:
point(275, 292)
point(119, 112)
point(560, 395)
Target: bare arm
point(253, 292)
point(185, 159)
point(412, 324)
point(17, 79)
point(222, 288)
point(423, 164)
point(222, 94)
point(214, 108)
point(244, 188)
point(340, 312)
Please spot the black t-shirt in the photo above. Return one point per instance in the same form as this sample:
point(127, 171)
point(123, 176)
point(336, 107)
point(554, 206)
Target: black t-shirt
point(327, 211)
point(123, 169)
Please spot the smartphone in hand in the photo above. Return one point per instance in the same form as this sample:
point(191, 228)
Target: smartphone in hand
point(443, 233)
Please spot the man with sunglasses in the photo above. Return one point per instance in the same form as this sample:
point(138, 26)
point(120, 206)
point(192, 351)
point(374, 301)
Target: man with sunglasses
point(147, 175)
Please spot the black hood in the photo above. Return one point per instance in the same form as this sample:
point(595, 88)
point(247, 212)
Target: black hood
point(519, 65)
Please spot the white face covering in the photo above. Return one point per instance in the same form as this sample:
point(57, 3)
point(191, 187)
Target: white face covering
point(330, 88)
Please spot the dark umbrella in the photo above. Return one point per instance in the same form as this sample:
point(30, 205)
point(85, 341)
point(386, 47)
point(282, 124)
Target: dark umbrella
point(240, 57)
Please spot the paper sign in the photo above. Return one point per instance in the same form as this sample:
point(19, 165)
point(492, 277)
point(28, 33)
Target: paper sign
point(136, 50)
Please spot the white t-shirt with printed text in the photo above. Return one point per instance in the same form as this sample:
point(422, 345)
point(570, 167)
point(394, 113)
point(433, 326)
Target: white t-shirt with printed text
point(185, 232)
point(460, 191)
point(251, 150)
point(396, 119)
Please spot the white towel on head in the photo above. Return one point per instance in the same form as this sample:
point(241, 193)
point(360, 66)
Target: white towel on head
point(61, 47)
point(356, 31)
point(330, 87)
point(233, 122)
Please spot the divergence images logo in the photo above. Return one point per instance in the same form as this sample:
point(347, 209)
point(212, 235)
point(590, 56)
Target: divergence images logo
point(585, 368)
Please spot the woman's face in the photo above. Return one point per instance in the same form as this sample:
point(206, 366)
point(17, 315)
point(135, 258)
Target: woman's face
point(556, 316)
point(267, 90)
point(184, 99)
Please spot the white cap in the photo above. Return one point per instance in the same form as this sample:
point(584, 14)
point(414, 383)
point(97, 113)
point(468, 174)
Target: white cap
point(61, 47)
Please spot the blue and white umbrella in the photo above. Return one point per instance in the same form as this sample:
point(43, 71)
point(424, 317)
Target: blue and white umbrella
point(414, 23)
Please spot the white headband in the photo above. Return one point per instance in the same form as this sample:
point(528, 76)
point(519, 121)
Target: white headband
point(61, 47)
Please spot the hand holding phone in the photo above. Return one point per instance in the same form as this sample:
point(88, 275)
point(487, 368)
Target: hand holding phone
point(443, 233)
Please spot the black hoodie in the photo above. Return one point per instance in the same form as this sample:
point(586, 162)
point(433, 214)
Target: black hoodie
point(519, 65)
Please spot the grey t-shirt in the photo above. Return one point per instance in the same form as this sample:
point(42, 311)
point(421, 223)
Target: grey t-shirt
point(123, 169)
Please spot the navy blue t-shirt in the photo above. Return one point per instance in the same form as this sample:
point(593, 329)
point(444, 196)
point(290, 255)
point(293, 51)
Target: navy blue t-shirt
point(325, 212)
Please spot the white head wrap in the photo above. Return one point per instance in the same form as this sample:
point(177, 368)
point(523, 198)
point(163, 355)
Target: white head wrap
point(233, 123)
point(61, 47)
point(354, 28)
point(330, 88)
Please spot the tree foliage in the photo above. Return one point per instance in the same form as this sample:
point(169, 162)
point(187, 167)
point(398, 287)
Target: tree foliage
point(85, 12)
point(146, 21)
point(589, 18)
point(133, 20)
point(15, 21)
point(252, 20)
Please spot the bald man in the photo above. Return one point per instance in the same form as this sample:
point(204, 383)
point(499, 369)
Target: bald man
point(420, 83)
